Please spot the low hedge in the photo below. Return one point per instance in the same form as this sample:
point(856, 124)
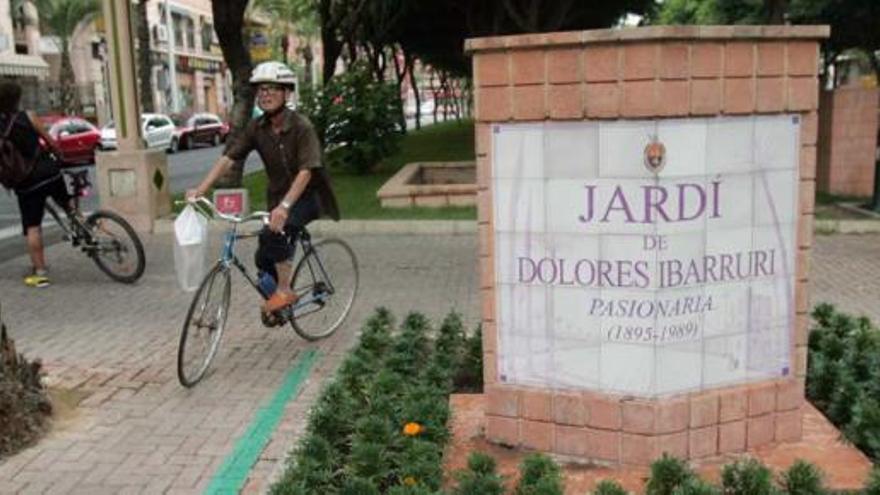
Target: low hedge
point(843, 375)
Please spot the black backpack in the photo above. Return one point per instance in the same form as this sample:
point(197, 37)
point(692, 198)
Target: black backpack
point(14, 168)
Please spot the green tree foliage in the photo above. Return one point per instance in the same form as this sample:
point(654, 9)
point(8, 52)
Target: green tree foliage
point(667, 474)
point(803, 478)
point(60, 18)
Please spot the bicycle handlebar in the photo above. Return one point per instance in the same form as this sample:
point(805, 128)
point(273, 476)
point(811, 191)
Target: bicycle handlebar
point(207, 204)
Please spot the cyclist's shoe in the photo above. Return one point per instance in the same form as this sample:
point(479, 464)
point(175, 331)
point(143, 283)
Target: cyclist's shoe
point(270, 320)
point(39, 278)
point(279, 301)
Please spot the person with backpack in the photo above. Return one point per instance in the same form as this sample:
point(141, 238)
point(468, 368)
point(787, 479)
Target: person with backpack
point(29, 168)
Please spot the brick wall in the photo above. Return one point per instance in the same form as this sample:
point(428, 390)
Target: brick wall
point(644, 73)
point(847, 141)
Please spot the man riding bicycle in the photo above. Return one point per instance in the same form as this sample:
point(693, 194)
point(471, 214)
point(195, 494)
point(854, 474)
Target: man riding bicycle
point(298, 189)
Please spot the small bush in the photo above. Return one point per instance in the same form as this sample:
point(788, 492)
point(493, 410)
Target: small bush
point(480, 477)
point(470, 375)
point(695, 486)
point(609, 487)
point(872, 485)
point(24, 404)
point(667, 474)
point(747, 477)
point(802, 478)
point(355, 116)
point(539, 475)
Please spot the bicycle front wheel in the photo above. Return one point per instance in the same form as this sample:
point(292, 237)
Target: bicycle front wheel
point(204, 325)
point(326, 280)
point(115, 247)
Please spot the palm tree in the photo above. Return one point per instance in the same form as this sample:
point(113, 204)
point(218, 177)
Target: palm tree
point(60, 18)
point(144, 60)
point(303, 15)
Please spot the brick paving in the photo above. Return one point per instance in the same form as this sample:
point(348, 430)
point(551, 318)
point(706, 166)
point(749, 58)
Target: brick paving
point(138, 431)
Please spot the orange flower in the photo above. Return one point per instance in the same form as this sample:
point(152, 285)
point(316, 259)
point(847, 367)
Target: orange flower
point(409, 481)
point(412, 429)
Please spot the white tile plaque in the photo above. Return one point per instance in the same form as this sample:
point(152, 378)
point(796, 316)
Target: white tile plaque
point(645, 257)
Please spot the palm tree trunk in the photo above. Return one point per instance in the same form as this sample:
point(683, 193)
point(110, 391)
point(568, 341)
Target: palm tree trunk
point(145, 63)
point(69, 96)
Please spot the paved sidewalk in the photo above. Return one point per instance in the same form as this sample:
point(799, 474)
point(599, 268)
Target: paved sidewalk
point(138, 431)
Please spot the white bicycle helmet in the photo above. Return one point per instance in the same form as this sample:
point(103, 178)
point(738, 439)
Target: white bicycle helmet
point(273, 72)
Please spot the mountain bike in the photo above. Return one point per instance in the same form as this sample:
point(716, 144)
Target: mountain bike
point(103, 236)
point(325, 279)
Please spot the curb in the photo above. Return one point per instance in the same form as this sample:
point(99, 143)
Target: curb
point(847, 226)
point(360, 227)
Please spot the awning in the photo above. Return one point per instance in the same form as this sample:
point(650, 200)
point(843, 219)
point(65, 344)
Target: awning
point(13, 64)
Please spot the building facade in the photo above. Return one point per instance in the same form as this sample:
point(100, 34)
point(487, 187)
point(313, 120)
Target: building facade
point(20, 59)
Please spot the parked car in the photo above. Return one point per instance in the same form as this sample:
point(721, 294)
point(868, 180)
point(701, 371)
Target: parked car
point(157, 129)
point(77, 140)
point(199, 129)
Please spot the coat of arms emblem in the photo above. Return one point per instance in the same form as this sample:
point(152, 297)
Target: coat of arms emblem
point(655, 155)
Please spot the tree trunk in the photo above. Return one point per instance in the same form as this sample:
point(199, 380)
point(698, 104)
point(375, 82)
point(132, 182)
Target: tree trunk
point(68, 89)
point(775, 11)
point(308, 58)
point(145, 63)
point(229, 25)
point(415, 87)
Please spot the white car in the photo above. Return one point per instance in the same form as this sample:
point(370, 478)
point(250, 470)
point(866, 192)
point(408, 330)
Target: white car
point(157, 130)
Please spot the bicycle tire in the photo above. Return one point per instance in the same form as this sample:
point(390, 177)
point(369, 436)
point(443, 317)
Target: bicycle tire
point(116, 246)
point(333, 254)
point(206, 288)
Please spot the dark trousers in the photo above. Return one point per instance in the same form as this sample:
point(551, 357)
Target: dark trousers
point(273, 247)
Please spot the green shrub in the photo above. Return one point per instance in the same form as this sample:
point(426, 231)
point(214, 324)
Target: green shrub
point(696, 486)
point(480, 477)
point(359, 486)
point(609, 487)
point(667, 473)
point(872, 485)
point(470, 375)
point(802, 478)
point(355, 116)
point(24, 403)
point(747, 477)
point(421, 463)
point(539, 475)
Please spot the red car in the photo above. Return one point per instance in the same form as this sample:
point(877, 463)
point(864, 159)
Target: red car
point(199, 129)
point(77, 139)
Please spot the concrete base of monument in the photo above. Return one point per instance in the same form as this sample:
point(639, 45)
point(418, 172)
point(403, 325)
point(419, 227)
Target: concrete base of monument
point(845, 467)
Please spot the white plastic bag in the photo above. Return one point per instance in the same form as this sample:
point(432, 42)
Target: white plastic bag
point(190, 248)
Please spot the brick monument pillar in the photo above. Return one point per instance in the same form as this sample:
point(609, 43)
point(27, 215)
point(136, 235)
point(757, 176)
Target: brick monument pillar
point(645, 211)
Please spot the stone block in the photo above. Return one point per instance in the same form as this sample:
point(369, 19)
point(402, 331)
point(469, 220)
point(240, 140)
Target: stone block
point(770, 94)
point(789, 426)
point(674, 98)
point(502, 430)
point(638, 449)
point(803, 93)
point(494, 104)
point(771, 58)
point(492, 69)
point(603, 100)
point(739, 59)
point(733, 404)
point(537, 405)
point(528, 102)
point(704, 410)
point(639, 61)
point(639, 99)
point(731, 437)
point(528, 67)
point(566, 101)
point(674, 61)
point(706, 59)
point(739, 96)
point(568, 409)
point(803, 58)
point(705, 96)
point(503, 401)
point(703, 442)
point(638, 416)
point(572, 440)
point(789, 394)
point(565, 65)
point(762, 399)
point(603, 412)
point(603, 445)
point(760, 430)
point(537, 435)
point(602, 63)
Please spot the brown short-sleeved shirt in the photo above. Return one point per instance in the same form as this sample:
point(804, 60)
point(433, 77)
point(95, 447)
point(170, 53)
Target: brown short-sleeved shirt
point(294, 149)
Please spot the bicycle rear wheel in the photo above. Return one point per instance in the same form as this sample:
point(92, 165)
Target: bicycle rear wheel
point(204, 325)
point(326, 277)
point(115, 247)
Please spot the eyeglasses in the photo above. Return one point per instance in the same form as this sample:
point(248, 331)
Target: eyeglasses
point(270, 89)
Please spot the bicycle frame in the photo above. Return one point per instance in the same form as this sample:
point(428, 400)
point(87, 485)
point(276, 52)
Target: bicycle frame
point(229, 258)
